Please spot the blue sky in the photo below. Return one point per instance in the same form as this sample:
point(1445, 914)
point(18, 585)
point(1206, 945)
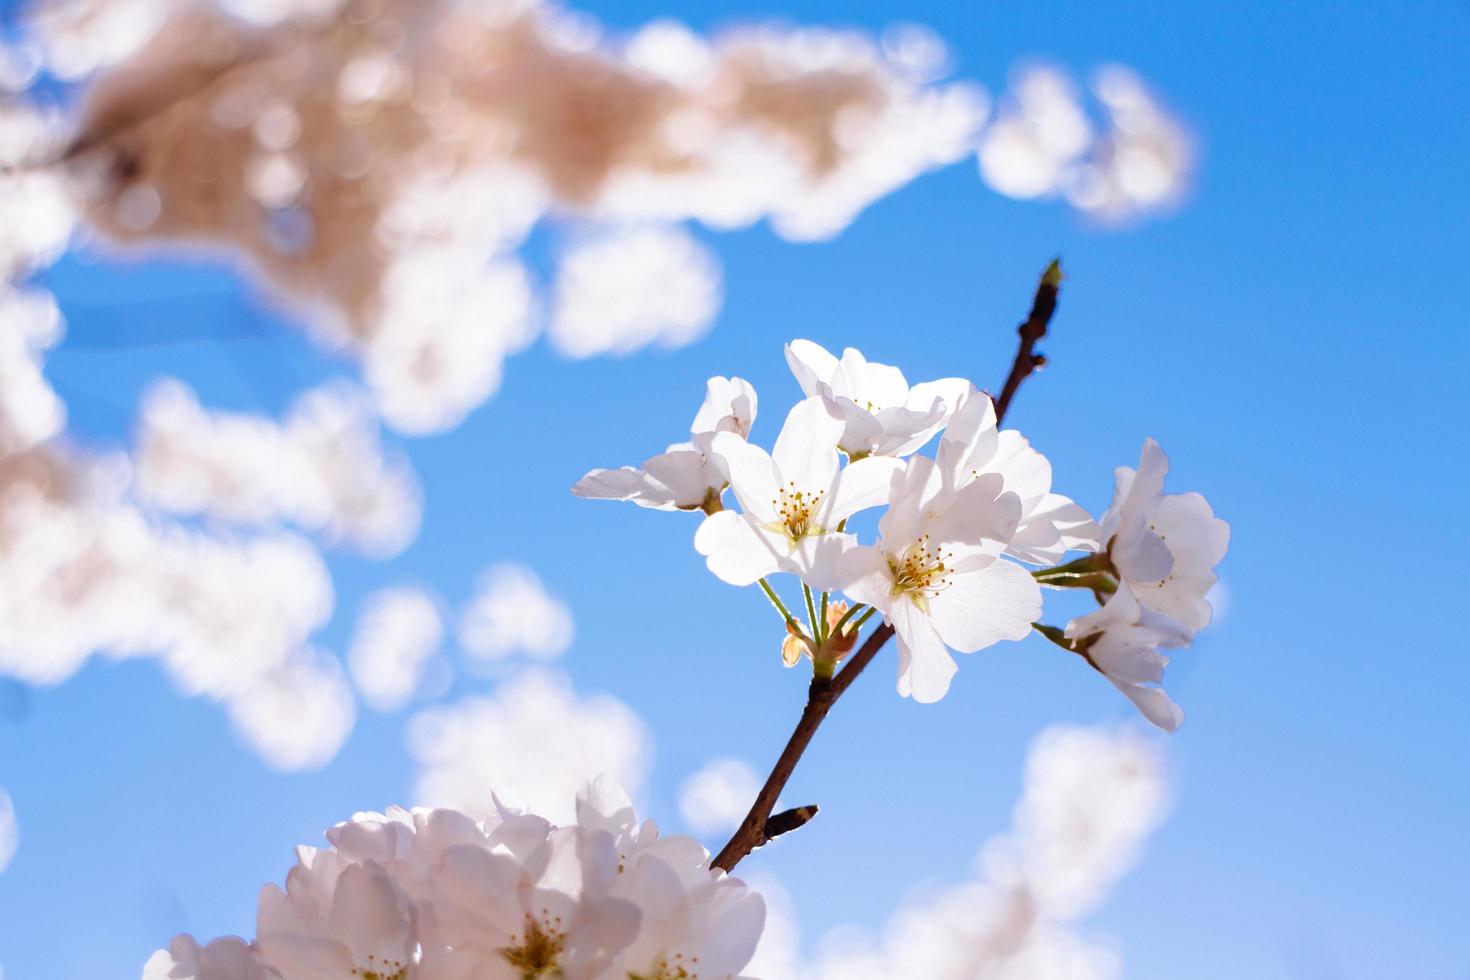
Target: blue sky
point(1296, 338)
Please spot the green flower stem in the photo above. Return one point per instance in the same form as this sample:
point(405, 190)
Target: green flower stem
point(864, 618)
point(776, 600)
point(822, 632)
point(1055, 635)
point(811, 611)
point(1099, 582)
point(1086, 565)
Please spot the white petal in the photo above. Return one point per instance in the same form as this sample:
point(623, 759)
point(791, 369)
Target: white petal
point(866, 483)
point(806, 450)
point(816, 557)
point(998, 602)
point(1155, 704)
point(864, 576)
point(684, 473)
point(734, 551)
point(970, 440)
point(862, 431)
point(729, 406)
point(868, 382)
point(1140, 555)
point(753, 475)
point(626, 483)
point(925, 666)
point(905, 429)
point(812, 364)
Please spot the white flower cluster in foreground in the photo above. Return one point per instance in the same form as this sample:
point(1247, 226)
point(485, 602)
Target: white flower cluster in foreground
point(947, 566)
point(435, 895)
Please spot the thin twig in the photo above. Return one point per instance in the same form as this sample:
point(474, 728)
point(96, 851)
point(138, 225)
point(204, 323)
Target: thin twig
point(822, 694)
point(1028, 359)
point(756, 829)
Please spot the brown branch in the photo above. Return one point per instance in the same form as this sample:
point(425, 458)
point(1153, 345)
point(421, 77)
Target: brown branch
point(755, 829)
point(1028, 359)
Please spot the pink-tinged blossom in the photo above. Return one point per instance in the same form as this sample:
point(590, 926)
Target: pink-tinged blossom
point(1122, 641)
point(1164, 546)
point(793, 501)
point(685, 477)
point(882, 415)
point(322, 468)
point(229, 958)
point(937, 575)
point(436, 895)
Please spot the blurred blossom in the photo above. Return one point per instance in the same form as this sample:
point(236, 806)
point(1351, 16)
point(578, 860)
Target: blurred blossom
point(297, 715)
point(9, 830)
point(36, 211)
point(398, 631)
point(19, 66)
point(715, 799)
point(1144, 160)
point(916, 50)
point(1043, 144)
point(624, 290)
point(82, 570)
point(534, 737)
point(378, 168)
point(1092, 797)
point(78, 37)
point(30, 411)
point(1039, 133)
point(449, 321)
point(511, 612)
point(322, 468)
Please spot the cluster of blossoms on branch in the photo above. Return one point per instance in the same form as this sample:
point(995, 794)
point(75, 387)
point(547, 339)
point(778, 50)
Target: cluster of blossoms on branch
point(948, 568)
point(435, 895)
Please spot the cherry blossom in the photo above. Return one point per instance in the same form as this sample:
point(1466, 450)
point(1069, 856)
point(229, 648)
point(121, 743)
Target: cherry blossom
point(435, 895)
point(685, 477)
point(937, 576)
point(1121, 640)
point(793, 501)
point(1164, 547)
point(1051, 524)
point(883, 416)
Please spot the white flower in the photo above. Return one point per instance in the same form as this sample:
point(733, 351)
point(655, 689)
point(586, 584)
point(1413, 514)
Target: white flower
point(883, 415)
point(434, 895)
point(1164, 547)
point(1051, 524)
point(1121, 640)
point(937, 576)
point(684, 477)
point(792, 501)
point(514, 904)
point(229, 958)
point(337, 918)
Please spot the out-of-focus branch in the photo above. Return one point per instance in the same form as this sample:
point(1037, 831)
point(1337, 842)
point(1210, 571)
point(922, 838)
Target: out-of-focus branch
point(151, 99)
point(1028, 359)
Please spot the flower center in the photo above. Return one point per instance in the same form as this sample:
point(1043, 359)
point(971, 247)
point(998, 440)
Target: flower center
point(664, 970)
point(920, 572)
point(796, 512)
point(539, 949)
point(381, 970)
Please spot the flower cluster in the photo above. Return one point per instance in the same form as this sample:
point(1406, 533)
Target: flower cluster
point(434, 895)
point(947, 568)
